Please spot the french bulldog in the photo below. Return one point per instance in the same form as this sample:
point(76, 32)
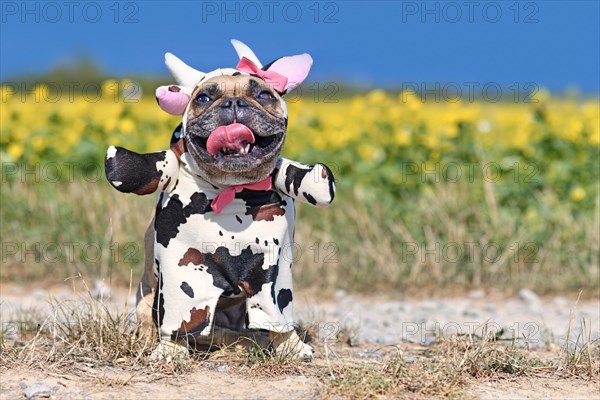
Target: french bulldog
point(220, 248)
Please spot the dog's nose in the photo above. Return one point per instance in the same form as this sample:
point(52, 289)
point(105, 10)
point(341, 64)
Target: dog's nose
point(238, 101)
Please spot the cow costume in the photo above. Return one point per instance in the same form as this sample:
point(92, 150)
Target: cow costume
point(223, 235)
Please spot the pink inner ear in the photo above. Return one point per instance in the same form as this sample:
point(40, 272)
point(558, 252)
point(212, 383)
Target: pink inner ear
point(295, 68)
point(174, 103)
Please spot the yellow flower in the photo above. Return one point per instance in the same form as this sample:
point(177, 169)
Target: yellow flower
point(411, 100)
point(449, 129)
point(126, 125)
point(368, 152)
point(595, 135)
point(573, 130)
point(431, 140)
point(73, 135)
point(577, 194)
point(402, 137)
point(377, 97)
point(37, 143)
point(357, 105)
point(15, 150)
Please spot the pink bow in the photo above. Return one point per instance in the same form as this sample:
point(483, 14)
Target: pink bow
point(227, 195)
point(277, 80)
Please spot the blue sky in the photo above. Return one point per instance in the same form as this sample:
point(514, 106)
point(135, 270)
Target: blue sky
point(553, 44)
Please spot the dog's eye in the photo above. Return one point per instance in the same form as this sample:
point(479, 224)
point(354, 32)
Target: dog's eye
point(265, 95)
point(202, 98)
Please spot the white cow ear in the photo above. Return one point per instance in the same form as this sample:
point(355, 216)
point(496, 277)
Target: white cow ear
point(185, 75)
point(295, 68)
point(244, 51)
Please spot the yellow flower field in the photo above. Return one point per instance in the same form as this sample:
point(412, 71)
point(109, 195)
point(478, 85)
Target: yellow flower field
point(368, 138)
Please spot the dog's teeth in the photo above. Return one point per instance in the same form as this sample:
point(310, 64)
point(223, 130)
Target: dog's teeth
point(224, 150)
point(247, 148)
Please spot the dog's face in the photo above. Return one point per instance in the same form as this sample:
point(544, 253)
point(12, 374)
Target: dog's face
point(242, 99)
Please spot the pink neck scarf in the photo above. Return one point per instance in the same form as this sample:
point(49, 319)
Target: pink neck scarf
point(227, 195)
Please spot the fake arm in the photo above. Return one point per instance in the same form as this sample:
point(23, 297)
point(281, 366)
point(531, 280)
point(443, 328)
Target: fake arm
point(131, 172)
point(310, 184)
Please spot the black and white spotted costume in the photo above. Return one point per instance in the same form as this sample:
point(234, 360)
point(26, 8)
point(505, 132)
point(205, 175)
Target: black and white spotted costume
point(245, 250)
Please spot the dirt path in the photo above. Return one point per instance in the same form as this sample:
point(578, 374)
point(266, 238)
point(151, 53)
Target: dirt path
point(115, 385)
point(224, 385)
point(537, 388)
point(372, 325)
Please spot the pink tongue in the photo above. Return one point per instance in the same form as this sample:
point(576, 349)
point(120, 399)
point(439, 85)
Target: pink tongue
point(233, 137)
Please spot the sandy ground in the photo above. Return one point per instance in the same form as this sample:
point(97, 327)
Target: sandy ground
point(373, 322)
point(207, 385)
point(223, 385)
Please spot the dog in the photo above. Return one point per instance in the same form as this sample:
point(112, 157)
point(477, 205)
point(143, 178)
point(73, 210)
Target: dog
point(220, 248)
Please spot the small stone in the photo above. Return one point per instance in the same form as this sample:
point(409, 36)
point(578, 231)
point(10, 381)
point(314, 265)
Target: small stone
point(340, 293)
point(296, 379)
point(223, 368)
point(477, 294)
point(529, 296)
point(404, 307)
point(11, 332)
point(471, 313)
point(37, 390)
point(368, 354)
point(428, 341)
point(22, 385)
point(209, 365)
point(490, 307)
point(409, 360)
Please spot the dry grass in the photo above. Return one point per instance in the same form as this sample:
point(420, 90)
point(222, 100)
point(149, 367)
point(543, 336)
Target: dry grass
point(448, 368)
point(360, 243)
point(393, 376)
point(579, 356)
point(448, 237)
point(84, 331)
point(84, 335)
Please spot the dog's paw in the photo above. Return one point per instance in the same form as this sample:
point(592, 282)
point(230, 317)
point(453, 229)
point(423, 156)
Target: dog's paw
point(169, 352)
point(289, 344)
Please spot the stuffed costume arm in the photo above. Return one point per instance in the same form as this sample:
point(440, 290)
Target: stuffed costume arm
point(131, 172)
point(312, 184)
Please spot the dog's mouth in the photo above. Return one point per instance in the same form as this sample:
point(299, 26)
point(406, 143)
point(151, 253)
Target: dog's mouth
point(236, 141)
